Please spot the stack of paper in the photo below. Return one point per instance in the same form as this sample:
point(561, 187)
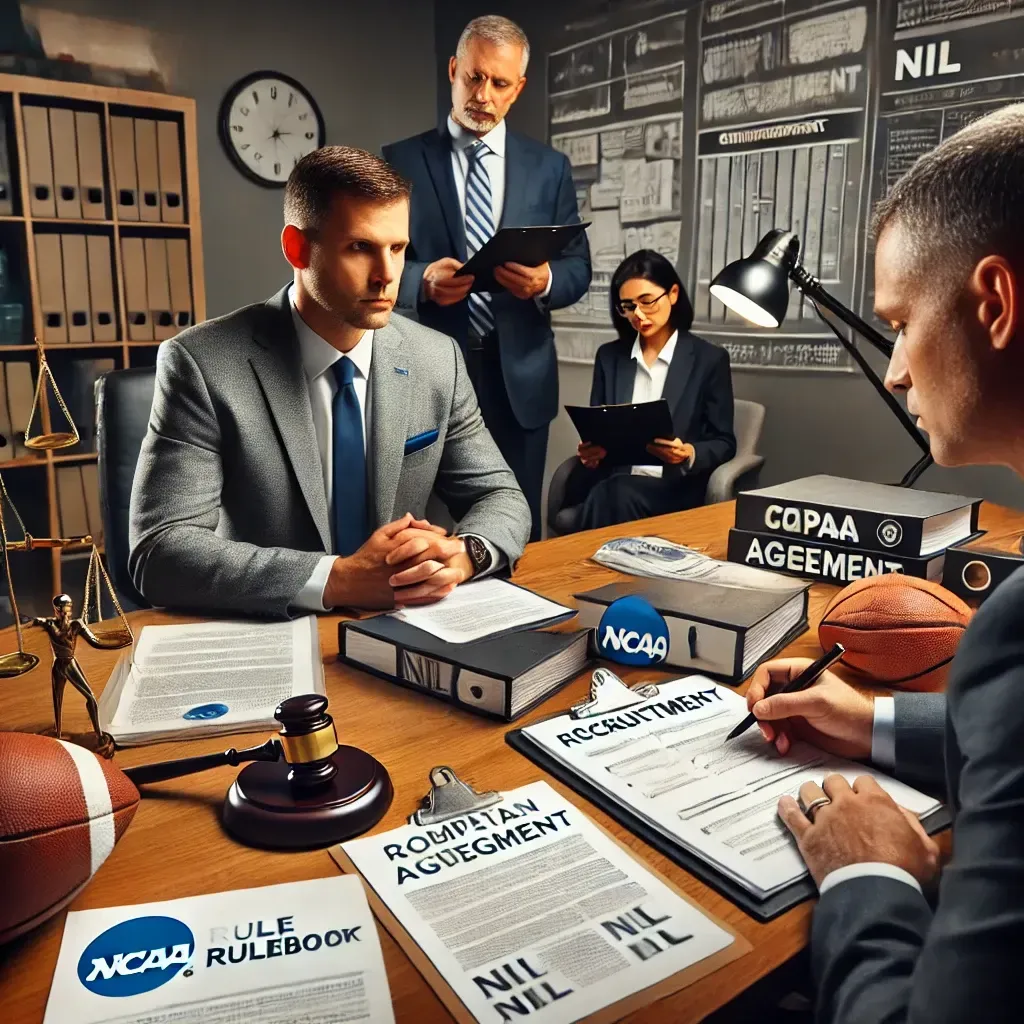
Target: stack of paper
point(209, 677)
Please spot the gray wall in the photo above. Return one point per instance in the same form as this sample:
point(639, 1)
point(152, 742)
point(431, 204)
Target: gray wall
point(816, 422)
point(370, 67)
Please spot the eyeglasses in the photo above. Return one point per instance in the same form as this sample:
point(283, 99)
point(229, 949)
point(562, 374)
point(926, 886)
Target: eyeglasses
point(625, 307)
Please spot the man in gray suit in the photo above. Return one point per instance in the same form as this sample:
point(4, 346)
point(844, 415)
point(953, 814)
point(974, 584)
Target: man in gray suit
point(949, 277)
point(293, 444)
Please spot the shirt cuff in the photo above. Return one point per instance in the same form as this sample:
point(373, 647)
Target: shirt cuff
point(869, 869)
point(311, 596)
point(883, 734)
point(497, 558)
point(542, 299)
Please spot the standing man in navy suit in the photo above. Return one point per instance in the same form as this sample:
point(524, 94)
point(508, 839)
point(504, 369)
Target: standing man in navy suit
point(470, 177)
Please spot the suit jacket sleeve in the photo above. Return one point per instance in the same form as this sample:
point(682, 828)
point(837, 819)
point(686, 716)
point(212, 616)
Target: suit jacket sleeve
point(599, 383)
point(570, 273)
point(718, 444)
point(410, 286)
point(176, 556)
point(474, 480)
point(878, 951)
point(920, 725)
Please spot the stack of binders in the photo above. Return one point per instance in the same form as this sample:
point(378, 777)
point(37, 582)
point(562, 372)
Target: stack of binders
point(833, 530)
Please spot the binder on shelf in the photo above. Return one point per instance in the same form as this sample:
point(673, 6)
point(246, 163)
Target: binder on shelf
point(6, 181)
point(180, 282)
point(20, 393)
point(65, 163)
point(101, 287)
point(126, 180)
point(39, 160)
point(172, 199)
point(91, 486)
point(133, 265)
point(148, 169)
point(71, 508)
point(76, 288)
point(158, 291)
point(92, 189)
point(51, 289)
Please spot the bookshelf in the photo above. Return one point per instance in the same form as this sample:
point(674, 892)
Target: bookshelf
point(33, 478)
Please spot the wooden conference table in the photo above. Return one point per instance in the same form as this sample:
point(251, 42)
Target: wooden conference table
point(175, 846)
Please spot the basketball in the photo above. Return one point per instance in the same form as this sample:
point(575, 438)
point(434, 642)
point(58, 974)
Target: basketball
point(899, 630)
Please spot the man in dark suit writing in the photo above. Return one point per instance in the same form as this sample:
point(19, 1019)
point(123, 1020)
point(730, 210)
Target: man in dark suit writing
point(949, 277)
point(470, 177)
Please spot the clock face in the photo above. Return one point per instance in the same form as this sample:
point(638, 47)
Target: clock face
point(268, 122)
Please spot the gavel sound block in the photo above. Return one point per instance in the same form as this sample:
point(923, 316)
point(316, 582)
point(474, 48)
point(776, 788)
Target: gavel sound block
point(303, 789)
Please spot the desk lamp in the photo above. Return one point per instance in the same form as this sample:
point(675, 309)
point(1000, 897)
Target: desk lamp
point(757, 288)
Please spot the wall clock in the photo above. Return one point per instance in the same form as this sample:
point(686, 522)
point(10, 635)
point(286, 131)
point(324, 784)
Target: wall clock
point(267, 123)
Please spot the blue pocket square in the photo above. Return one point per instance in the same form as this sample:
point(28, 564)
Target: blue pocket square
point(420, 441)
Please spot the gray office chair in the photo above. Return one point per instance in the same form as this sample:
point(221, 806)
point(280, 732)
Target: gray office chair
point(740, 473)
point(123, 402)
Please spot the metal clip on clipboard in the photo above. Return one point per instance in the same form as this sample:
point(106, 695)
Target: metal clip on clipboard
point(449, 797)
point(608, 693)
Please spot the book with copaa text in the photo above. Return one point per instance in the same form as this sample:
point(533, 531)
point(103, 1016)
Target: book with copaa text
point(499, 676)
point(722, 632)
point(825, 509)
point(824, 563)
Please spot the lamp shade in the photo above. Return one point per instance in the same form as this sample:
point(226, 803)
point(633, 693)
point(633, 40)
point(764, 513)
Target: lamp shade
point(757, 286)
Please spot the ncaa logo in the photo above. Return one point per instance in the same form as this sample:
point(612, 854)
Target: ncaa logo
point(632, 632)
point(890, 533)
point(136, 956)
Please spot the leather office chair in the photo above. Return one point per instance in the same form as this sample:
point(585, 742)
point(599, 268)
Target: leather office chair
point(123, 402)
point(740, 473)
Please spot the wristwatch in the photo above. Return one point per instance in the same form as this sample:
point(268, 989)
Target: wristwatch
point(478, 552)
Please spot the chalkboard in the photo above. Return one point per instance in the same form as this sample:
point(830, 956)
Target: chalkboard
point(694, 129)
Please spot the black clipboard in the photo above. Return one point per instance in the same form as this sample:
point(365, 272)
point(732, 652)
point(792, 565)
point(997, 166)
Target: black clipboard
point(760, 910)
point(530, 246)
point(624, 431)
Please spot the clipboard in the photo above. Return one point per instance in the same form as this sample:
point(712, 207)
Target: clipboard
point(530, 246)
point(449, 797)
point(609, 698)
point(625, 430)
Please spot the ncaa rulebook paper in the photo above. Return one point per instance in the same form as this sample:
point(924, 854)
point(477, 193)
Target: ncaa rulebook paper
point(525, 908)
point(665, 762)
point(299, 953)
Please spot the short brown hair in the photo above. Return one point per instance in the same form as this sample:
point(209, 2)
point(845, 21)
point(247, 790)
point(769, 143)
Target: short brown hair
point(338, 170)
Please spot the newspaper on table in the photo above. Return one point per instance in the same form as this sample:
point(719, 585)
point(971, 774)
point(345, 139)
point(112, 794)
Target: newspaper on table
point(209, 678)
point(656, 557)
point(526, 907)
point(298, 953)
point(667, 760)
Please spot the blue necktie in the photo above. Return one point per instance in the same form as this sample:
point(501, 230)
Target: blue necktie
point(349, 458)
point(479, 229)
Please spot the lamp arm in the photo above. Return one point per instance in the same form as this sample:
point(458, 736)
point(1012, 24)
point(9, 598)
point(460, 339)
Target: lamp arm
point(811, 287)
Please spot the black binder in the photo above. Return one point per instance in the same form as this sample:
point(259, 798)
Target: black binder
point(530, 246)
point(760, 910)
point(624, 431)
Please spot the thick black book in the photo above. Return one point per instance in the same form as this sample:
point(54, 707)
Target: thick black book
point(624, 431)
point(499, 676)
point(865, 516)
point(722, 632)
point(824, 563)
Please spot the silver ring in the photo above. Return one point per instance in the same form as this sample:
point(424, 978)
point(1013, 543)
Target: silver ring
point(813, 806)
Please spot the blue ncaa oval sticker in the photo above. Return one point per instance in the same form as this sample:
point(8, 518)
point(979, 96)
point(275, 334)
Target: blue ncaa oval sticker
point(136, 956)
point(204, 711)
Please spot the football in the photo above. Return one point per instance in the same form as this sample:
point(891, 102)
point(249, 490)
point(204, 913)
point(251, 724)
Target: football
point(62, 809)
point(899, 630)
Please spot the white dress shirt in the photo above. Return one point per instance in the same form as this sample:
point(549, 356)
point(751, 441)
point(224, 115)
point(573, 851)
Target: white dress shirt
point(883, 755)
point(493, 160)
point(318, 356)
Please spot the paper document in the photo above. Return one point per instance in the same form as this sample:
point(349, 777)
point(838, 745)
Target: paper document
point(667, 760)
point(527, 907)
point(299, 953)
point(211, 677)
point(655, 557)
point(483, 608)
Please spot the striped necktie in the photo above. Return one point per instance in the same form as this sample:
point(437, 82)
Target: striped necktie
point(479, 228)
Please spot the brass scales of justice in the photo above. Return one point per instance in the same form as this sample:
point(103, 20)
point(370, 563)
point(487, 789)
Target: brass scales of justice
point(20, 661)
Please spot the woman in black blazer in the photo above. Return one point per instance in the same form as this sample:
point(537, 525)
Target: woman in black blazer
point(654, 357)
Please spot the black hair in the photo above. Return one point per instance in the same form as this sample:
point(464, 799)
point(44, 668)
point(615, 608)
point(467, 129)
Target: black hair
point(649, 265)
